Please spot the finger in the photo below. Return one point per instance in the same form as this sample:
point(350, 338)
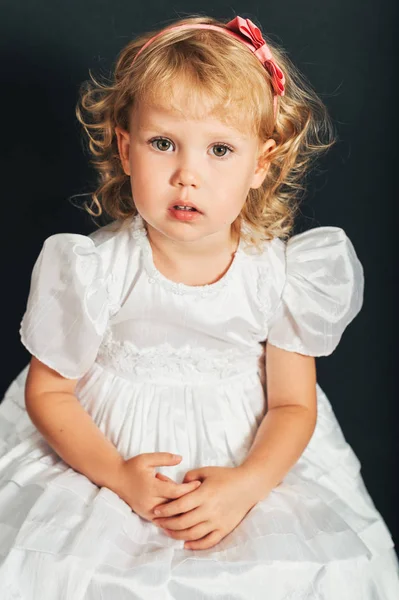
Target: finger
point(191, 534)
point(184, 488)
point(177, 507)
point(192, 475)
point(162, 477)
point(184, 521)
point(206, 542)
point(160, 459)
point(173, 491)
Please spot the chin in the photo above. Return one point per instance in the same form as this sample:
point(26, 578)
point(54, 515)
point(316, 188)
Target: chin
point(174, 230)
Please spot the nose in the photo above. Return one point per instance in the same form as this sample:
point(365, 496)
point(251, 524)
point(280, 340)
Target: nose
point(185, 177)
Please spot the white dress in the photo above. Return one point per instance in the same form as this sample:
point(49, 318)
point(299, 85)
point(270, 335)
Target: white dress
point(169, 367)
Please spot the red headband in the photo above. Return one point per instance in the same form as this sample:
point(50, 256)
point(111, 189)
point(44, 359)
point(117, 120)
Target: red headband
point(247, 32)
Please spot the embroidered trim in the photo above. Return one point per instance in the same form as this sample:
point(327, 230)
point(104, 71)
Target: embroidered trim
point(181, 363)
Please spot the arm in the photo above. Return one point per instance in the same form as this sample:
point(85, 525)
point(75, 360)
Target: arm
point(289, 423)
point(68, 428)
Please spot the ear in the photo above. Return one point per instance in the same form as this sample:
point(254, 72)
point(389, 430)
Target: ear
point(262, 165)
point(123, 139)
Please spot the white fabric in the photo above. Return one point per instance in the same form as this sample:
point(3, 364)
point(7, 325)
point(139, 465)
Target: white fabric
point(67, 310)
point(164, 366)
point(317, 305)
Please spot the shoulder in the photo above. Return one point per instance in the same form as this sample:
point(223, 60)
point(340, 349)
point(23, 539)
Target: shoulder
point(102, 259)
point(111, 245)
point(101, 240)
point(324, 242)
point(327, 248)
point(116, 232)
point(265, 262)
point(114, 239)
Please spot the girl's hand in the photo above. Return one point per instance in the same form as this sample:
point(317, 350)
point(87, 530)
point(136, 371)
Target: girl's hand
point(139, 486)
point(207, 515)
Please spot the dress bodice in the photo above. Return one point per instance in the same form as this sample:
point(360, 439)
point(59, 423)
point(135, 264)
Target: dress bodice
point(105, 296)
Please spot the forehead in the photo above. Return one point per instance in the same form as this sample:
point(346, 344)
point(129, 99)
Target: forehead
point(181, 104)
point(158, 116)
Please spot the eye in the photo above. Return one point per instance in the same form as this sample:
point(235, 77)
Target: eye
point(221, 150)
point(162, 144)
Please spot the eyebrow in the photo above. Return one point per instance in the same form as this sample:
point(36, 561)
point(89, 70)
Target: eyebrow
point(217, 134)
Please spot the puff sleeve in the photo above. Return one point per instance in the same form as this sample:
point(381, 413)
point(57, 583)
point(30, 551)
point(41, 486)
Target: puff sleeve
point(67, 309)
point(322, 294)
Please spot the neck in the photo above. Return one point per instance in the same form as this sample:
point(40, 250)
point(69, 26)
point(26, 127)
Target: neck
point(209, 248)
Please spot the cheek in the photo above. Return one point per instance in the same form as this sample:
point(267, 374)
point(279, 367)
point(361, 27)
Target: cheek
point(238, 173)
point(146, 175)
point(233, 184)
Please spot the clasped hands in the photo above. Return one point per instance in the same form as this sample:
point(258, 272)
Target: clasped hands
point(205, 516)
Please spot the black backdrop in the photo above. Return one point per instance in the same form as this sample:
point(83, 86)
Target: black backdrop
point(346, 48)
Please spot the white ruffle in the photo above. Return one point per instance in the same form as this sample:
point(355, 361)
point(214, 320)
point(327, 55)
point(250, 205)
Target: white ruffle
point(323, 292)
point(68, 309)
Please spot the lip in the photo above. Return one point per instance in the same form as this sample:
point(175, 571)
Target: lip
point(184, 203)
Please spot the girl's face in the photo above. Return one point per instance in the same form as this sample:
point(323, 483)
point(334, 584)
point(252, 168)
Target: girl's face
point(173, 159)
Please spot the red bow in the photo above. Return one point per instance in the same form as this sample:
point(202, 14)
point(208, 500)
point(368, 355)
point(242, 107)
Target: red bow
point(257, 44)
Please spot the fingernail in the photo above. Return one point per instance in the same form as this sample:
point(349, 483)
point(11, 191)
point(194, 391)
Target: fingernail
point(157, 512)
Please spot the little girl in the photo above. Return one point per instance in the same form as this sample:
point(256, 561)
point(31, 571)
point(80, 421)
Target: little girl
point(168, 439)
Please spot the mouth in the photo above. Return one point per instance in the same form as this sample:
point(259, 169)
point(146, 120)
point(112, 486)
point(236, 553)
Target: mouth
point(185, 212)
point(184, 206)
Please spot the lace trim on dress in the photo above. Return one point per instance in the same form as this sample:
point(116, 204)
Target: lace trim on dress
point(182, 363)
point(140, 234)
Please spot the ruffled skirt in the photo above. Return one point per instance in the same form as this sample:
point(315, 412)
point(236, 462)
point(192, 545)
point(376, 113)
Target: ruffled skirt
point(317, 536)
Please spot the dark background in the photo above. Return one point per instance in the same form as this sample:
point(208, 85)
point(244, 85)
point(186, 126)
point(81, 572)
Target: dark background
point(345, 48)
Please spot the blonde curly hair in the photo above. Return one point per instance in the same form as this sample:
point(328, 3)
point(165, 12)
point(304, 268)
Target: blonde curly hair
point(240, 87)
